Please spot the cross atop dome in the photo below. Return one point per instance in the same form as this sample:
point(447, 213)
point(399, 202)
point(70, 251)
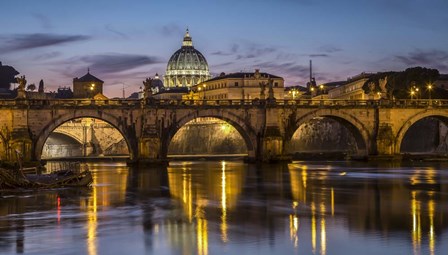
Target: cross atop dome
point(187, 40)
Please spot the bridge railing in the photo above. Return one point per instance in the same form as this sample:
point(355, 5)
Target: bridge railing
point(151, 102)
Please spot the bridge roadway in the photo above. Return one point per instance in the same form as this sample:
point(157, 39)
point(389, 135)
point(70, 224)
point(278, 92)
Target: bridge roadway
point(266, 126)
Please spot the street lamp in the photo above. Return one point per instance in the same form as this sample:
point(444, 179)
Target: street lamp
point(205, 86)
point(321, 91)
point(412, 94)
point(429, 90)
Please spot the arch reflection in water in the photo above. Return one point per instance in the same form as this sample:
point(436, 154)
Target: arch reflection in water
point(102, 197)
point(207, 195)
point(370, 201)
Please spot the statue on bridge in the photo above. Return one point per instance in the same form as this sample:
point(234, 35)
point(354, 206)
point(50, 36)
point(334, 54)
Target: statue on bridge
point(383, 89)
point(21, 94)
point(262, 89)
point(147, 90)
point(271, 89)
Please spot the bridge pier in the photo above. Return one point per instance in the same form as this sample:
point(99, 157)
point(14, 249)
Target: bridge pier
point(149, 149)
point(271, 142)
point(385, 140)
point(20, 145)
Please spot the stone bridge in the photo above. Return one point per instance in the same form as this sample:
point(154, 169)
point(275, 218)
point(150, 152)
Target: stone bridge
point(266, 126)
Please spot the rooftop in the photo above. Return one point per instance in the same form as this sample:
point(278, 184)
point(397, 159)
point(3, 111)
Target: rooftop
point(88, 78)
point(242, 75)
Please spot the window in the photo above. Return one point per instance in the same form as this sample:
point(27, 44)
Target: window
point(275, 84)
point(236, 84)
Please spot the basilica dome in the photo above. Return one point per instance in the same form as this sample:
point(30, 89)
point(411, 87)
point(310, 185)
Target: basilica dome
point(187, 66)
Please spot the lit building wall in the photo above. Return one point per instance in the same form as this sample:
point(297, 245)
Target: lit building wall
point(240, 86)
point(87, 86)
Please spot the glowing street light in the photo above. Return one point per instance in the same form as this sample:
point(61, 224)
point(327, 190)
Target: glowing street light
point(205, 86)
point(429, 87)
point(321, 91)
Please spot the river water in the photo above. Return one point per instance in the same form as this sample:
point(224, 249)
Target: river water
point(230, 207)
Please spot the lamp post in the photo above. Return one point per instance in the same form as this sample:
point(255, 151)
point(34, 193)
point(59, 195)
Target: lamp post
point(321, 91)
point(92, 87)
point(412, 93)
point(205, 86)
point(199, 92)
point(429, 91)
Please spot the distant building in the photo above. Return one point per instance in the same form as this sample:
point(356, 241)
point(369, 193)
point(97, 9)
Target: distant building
point(87, 86)
point(442, 82)
point(351, 89)
point(240, 86)
point(174, 93)
point(64, 93)
point(187, 66)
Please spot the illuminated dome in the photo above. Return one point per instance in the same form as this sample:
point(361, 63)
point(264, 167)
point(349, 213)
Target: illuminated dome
point(187, 66)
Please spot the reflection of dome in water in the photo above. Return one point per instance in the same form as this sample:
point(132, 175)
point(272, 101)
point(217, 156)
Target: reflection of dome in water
point(187, 66)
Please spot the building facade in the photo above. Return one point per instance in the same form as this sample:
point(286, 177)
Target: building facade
point(87, 86)
point(240, 86)
point(187, 66)
point(352, 89)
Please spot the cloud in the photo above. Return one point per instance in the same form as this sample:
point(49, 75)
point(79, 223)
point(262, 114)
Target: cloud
point(253, 50)
point(170, 29)
point(113, 63)
point(221, 53)
point(31, 41)
point(43, 20)
point(47, 56)
point(290, 68)
point(111, 29)
point(429, 58)
point(318, 55)
point(329, 49)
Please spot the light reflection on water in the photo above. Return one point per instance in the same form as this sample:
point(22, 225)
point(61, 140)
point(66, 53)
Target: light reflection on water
point(230, 207)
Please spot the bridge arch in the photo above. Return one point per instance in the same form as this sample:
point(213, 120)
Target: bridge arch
point(355, 126)
point(67, 134)
point(109, 118)
point(246, 131)
point(439, 114)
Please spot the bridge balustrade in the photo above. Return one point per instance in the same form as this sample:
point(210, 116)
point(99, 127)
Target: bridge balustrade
point(398, 103)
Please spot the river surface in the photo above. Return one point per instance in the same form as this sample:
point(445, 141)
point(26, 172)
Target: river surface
point(230, 207)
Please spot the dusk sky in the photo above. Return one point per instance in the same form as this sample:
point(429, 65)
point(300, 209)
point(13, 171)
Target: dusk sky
point(123, 42)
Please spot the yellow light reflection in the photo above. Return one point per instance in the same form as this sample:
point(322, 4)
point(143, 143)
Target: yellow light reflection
point(92, 220)
point(304, 176)
point(294, 229)
point(202, 231)
point(223, 203)
point(187, 197)
point(332, 202)
point(323, 232)
point(432, 238)
point(416, 223)
point(313, 227)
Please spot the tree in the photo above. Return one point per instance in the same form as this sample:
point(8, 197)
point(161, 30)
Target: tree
point(31, 87)
point(399, 84)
